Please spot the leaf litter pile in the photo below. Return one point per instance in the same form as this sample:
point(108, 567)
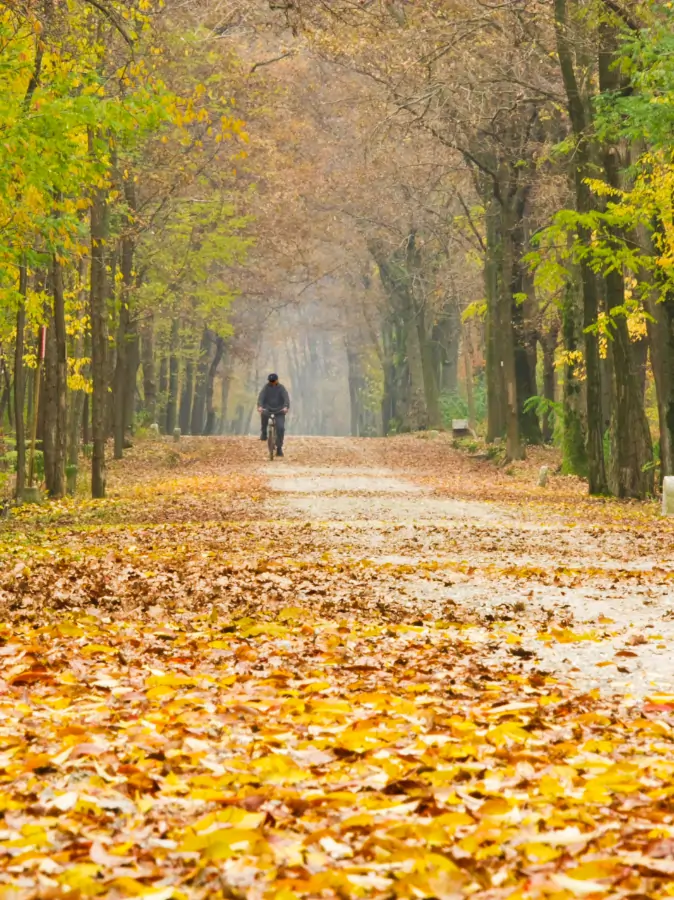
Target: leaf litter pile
point(200, 702)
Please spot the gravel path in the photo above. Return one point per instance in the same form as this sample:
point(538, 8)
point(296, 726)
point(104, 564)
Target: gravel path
point(580, 602)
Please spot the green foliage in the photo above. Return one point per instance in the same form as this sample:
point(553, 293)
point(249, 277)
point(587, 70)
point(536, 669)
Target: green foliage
point(475, 310)
point(455, 405)
point(554, 410)
point(10, 461)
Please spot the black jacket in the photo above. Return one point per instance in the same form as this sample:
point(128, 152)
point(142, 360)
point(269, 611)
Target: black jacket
point(274, 397)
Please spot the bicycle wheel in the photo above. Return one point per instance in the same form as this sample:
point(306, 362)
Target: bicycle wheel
point(271, 439)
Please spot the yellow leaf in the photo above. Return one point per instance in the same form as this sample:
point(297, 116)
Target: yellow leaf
point(222, 843)
point(497, 806)
point(541, 853)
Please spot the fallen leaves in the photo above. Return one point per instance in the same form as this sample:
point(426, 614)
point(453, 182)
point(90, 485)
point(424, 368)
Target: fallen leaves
point(353, 785)
point(192, 708)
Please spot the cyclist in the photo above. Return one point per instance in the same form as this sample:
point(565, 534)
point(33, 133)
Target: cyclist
point(274, 398)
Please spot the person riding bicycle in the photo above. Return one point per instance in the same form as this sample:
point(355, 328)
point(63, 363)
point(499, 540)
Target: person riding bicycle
point(274, 398)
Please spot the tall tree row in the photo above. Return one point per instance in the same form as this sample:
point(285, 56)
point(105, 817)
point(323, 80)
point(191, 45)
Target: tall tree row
point(552, 119)
point(121, 217)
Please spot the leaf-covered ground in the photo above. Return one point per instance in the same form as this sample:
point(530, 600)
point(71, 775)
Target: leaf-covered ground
point(376, 669)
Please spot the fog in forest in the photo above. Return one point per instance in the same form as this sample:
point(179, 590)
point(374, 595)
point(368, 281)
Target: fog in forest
point(415, 213)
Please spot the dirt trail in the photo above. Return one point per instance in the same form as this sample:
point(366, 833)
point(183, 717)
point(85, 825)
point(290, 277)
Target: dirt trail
point(528, 567)
point(359, 672)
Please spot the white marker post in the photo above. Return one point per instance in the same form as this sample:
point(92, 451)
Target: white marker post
point(668, 495)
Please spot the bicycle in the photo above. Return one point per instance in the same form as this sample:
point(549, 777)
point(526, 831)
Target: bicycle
point(271, 436)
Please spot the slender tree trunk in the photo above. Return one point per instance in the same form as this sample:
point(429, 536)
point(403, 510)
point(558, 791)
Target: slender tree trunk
point(524, 336)
point(496, 391)
point(131, 380)
point(149, 372)
point(577, 113)
point(20, 383)
point(430, 372)
point(549, 345)
point(199, 405)
point(121, 377)
point(631, 472)
point(186, 397)
point(514, 447)
point(99, 340)
point(210, 384)
point(574, 460)
point(468, 372)
point(48, 399)
point(86, 421)
point(58, 485)
point(355, 386)
point(163, 388)
point(174, 369)
point(5, 404)
point(446, 339)
point(224, 397)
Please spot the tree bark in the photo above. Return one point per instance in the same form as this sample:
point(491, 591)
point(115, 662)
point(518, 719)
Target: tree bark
point(149, 371)
point(514, 447)
point(210, 385)
point(496, 391)
point(124, 330)
point(577, 113)
point(549, 345)
point(99, 339)
point(524, 337)
point(199, 405)
point(163, 388)
point(185, 416)
point(56, 389)
point(20, 383)
point(631, 471)
point(174, 370)
point(447, 338)
point(574, 459)
point(224, 398)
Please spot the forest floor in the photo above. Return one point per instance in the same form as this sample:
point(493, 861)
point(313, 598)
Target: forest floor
point(372, 669)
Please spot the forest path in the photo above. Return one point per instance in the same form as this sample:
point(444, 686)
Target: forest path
point(359, 672)
point(526, 561)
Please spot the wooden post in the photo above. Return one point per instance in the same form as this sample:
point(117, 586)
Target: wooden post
point(36, 402)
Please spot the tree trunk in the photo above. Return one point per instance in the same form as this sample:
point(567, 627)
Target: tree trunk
point(224, 397)
point(163, 389)
point(199, 405)
point(131, 380)
point(355, 386)
point(124, 331)
point(20, 383)
point(468, 371)
point(524, 337)
point(5, 405)
point(86, 426)
point(430, 371)
point(174, 370)
point(496, 392)
point(210, 384)
point(98, 300)
point(446, 339)
point(581, 171)
point(48, 400)
point(56, 388)
point(574, 459)
point(186, 398)
point(514, 447)
point(549, 345)
point(149, 372)
point(631, 471)
point(659, 304)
